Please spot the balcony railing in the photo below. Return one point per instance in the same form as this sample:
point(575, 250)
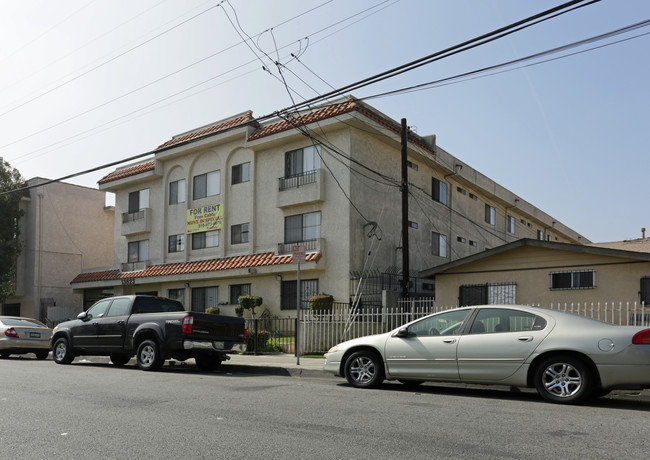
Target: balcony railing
point(136, 222)
point(135, 266)
point(132, 216)
point(298, 180)
point(310, 246)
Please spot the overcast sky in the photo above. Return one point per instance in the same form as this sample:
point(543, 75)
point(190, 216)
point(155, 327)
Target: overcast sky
point(85, 83)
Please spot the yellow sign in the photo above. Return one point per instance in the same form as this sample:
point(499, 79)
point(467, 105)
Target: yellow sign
point(204, 219)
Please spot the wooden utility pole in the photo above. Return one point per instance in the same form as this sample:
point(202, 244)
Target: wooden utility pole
point(405, 212)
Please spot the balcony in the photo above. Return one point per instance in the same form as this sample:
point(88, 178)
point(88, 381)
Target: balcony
point(136, 222)
point(310, 246)
point(135, 266)
point(301, 189)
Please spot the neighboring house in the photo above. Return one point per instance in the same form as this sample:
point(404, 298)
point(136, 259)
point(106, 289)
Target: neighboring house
point(65, 229)
point(216, 212)
point(543, 273)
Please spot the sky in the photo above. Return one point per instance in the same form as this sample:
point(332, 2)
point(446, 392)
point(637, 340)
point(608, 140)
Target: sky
point(88, 82)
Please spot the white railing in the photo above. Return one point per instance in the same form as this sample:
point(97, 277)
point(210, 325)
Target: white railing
point(619, 314)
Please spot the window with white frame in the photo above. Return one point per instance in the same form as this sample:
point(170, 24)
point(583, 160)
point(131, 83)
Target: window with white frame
point(138, 251)
point(439, 244)
point(177, 191)
point(490, 215)
point(577, 279)
point(439, 190)
point(208, 184)
point(540, 235)
point(138, 200)
point(176, 243)
point(302, 161)
point(241, 173)
point(512, 224)
point(239, 234)
point(202, 240)
point(238, 290)
point(302, 227)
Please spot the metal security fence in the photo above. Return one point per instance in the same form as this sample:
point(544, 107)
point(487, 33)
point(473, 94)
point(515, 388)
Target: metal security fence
point(616, 313)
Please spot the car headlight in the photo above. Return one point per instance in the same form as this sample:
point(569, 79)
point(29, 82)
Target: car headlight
point(334, 349)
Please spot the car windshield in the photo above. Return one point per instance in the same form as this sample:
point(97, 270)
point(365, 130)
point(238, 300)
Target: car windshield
point(21, 322)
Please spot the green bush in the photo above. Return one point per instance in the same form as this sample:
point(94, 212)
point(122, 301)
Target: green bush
point(248, 302)
point(321, 302)
point(262, 340)
point(213, 310)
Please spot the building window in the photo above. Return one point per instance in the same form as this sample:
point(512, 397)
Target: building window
point(490, 215)
point(462, 191)
point(439, 244)
point(289, 293)
point(239, 234)
point(241, 173)
point(176, 243)
point(302, 227)
point(177, 192)
point(302, 161)
point(582, 279)
point(412, 165)
point(461, 239)
point(473, 243)
point(473, 197)
point(238, 290)
point(511, 224)
point(138, 251)
point(138, 200)
point(204, 240)
point(540, 235)
point(439, 190)
point(488, 294)
point(645, 290)
point(204, 298)
point(413, 224)
point(176, 294)
point(208, 184)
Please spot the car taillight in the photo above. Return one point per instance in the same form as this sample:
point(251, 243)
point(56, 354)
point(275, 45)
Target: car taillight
point(188, 324)
point(11, 332)
point(642, 337)
point(245, 332)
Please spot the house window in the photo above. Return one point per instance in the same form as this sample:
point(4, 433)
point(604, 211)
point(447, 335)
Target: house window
point(138, 251)
point(488, 294)
point(177, 191)
point(176, 243)
point(204, 298)
point(207, 184)
point(511, 224)
point(302, 227)
point(204, 240)
point(413, 224)
point(138, 200)
point(645, 290)
point(238, 290)
point(490, 215)
point(579, 279)
point(438, 244)
point(412, 165)
point(302, 161)
point(461, 239)
point(241, 173)
point(289, 293)
point(239, 234)
point(462, 191)
point(176, 294)
point(540, 235)
point(439, 190)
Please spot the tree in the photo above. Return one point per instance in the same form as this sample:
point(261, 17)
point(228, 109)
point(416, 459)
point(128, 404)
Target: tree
point(10, 214)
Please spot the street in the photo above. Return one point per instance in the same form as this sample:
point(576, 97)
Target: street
point(95, 410)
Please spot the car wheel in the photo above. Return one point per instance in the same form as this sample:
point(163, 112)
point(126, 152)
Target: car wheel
point(120, 360)
point(149, 357)
point(42, 354)
point(563, 379)
point(62, 352)
point(364, 369)
point(207, 363)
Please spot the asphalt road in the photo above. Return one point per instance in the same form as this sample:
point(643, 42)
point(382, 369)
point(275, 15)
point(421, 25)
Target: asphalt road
point(91, 411)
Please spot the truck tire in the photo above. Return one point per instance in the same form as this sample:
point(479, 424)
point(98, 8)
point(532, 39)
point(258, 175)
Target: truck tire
point(62, 351)
point(149, 357)
point(207, 363)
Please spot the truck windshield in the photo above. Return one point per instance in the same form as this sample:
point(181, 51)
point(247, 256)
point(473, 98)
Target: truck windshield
point(156, 305)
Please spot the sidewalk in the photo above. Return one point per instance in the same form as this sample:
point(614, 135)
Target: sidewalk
point(276, 364)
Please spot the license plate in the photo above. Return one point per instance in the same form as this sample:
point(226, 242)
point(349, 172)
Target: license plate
point(35, 335)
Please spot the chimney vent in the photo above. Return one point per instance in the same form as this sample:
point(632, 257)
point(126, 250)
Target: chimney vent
point(643, 233)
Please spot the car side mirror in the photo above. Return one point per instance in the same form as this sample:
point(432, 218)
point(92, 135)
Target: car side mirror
point(403, 332)
point(83, 316)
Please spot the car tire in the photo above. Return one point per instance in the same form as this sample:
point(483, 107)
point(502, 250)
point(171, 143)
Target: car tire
point(42, 354)
point(120, 360)
point(207, 363)
point(364, 369)
point(564, 379)
point(4, 354)
point(149, 357)
point(62, 351)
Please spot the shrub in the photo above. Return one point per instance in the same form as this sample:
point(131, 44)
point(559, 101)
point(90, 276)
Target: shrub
point(213, 310)
point(321, 302)
point(248, 302)
point(262, 340)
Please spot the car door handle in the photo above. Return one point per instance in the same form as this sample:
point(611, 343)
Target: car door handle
point(449, 341)
point(525, 338)
point(120, 322)
point(96, 324)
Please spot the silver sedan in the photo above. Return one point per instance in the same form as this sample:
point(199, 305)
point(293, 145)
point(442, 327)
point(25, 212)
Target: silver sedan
point(567, 358)
point(24, 335)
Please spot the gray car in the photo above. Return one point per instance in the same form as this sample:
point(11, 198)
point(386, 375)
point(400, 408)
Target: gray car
point(567, 358)
point(19, 336)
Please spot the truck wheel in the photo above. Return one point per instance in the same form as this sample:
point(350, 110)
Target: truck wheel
point(120, 360)
point(149, 357)
point(207, 363)
point(62, 352)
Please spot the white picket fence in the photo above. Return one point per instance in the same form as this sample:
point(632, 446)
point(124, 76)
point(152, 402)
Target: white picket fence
point(321, 331)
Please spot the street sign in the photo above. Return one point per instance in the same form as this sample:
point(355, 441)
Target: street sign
point(299, 253)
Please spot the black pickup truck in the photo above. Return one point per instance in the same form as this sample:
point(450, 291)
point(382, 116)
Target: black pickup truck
point(151, 328)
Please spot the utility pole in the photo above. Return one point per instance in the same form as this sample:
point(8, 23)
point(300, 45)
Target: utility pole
point(405, 213)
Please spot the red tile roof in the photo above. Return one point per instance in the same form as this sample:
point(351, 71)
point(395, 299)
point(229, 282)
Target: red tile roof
point(127, 172)
point(199, 266)
point(244, 119)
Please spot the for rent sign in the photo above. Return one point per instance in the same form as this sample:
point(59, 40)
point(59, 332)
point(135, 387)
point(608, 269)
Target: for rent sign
point(204, 219)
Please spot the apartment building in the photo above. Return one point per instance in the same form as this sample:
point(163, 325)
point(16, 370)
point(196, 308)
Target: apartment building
point(215, 213)
point(65, 229)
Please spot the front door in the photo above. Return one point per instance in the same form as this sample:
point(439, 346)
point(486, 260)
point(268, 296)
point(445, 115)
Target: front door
point(85, 331)
point(111, 328)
